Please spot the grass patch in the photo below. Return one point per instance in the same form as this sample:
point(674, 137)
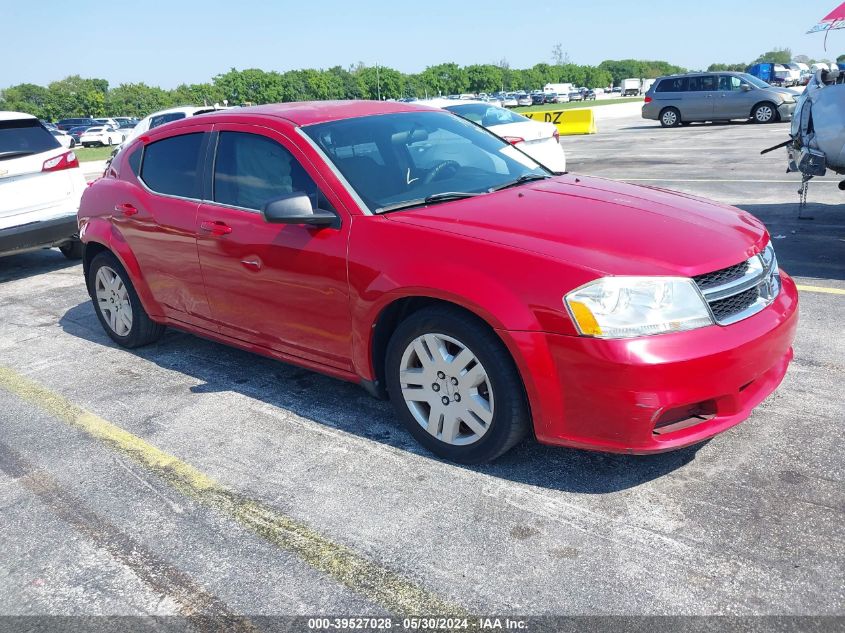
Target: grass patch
point(85, 154)
point(576, 104)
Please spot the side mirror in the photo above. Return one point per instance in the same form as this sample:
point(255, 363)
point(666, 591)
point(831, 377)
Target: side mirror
point(296, 208)
point(745, 87)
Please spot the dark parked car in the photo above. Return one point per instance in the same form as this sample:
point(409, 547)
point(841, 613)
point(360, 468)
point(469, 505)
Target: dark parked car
point(538, 99)
point(551, 97)
point(590, 95)
point(67, 124)
point(76, 132)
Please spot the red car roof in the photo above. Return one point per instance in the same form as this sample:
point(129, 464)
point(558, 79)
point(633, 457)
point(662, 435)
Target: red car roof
point(308, 112)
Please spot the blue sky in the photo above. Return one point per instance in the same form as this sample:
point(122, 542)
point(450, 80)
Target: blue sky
point(168, 43)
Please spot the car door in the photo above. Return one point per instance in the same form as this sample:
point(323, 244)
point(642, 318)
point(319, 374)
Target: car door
point(281, 286)
point(732, 101)
point(156, 213)
point(698, 101)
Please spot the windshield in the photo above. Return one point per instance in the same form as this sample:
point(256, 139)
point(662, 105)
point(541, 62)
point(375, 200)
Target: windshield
point(487, 115)
point(759, 83)
point(391, 159)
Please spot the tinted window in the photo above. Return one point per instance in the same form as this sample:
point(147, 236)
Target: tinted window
point(161, 119)
point(170, 165)
point(702, 83)
point(729, 82)
point(250, 170)
point(24, 136)
point(135, 161)
point(672, 84)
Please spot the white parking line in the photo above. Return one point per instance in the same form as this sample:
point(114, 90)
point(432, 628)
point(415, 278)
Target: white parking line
point(792, 182)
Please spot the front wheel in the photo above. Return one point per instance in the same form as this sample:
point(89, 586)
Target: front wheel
point(117, 304)
point(764, 113)
point(455, 386)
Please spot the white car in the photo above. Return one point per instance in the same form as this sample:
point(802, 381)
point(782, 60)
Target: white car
point(540, 140)
point(40, 187)
point(166, 116)
point(102, 135)
point(524, 100)
point(106, 121)
point(64, 138)
point(510, 101)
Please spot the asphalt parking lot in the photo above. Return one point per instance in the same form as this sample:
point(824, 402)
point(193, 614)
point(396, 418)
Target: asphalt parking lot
point(187, 478)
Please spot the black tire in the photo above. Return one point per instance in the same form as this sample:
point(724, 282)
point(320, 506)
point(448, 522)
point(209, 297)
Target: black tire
point(144, 330)
point(72, 143)
point(765, 112)
point(511, 419)
point(670, 117)
point(72, 249)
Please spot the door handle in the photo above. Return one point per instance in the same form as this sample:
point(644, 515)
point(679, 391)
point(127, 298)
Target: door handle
point(252, 262)
point(217, 227)
point(126, 209)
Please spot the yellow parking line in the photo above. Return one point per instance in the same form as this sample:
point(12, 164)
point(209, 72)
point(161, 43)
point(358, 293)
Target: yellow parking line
point(830, 291)
point(377, 583)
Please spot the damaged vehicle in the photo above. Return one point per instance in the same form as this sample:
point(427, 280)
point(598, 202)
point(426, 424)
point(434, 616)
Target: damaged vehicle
point(818, 128)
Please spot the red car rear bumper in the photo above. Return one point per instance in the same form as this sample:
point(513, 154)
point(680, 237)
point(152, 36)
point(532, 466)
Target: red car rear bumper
point(658, 393)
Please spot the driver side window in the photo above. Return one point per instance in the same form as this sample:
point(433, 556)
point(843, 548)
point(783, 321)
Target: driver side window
point(444, 145)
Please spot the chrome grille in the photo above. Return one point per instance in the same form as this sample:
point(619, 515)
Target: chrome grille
point(742, 290)
point(719, 277)
point(725, 308)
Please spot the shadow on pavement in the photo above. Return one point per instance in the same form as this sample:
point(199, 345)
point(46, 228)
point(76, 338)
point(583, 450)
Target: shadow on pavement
point(347, 407)
point(806, 248)
point(14, 267)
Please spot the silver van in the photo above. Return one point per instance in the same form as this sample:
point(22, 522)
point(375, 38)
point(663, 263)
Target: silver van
point(682, 99)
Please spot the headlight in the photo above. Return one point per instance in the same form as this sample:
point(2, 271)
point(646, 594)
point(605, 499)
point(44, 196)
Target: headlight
point(623, 307)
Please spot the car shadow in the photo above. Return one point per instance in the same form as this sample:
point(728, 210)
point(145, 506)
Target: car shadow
point(806, 247)
point(346, 407)
point(14, 267)
point(697, 124)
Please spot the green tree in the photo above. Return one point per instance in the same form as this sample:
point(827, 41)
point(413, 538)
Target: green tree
point(484, 78)
point(714, 68)
point(776, 56)
point(28, 98)
point(840, 59)
point(446, 79)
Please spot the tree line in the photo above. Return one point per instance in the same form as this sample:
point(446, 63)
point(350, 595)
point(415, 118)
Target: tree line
point(79, 96)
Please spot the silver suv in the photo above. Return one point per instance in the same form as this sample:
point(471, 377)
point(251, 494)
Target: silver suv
point(682, 99)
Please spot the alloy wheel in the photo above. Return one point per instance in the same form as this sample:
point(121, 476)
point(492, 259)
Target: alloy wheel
point(446, 389)
point(113, 300)
point(670, 118)
point(764, 114)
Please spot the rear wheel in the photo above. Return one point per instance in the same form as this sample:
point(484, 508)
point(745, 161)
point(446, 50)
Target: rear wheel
point(72, 249)
point(764, 113)
point(670, 117)
point(455, 387)
point(117, 304)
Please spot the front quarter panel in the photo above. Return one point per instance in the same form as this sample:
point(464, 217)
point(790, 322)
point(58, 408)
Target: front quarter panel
point(510, 289)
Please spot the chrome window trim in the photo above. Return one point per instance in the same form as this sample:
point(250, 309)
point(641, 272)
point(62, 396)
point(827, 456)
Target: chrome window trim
point(328, 162)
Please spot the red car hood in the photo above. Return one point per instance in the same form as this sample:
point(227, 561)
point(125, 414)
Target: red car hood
point(610, 227)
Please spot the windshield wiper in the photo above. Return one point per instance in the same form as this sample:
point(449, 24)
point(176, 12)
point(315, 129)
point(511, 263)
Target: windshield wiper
point(4, 155)
point(432, 199)
point(521, 180)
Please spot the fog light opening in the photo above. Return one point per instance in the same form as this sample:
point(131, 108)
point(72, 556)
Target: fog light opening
point(679, 418)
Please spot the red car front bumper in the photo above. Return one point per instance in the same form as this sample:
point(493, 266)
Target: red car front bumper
point(658, 393)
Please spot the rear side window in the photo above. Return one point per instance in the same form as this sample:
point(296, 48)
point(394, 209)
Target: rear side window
point(161, 119)
point(672, 84)
point(170, 165)
point(23, 137)
point(134, 161)
point(250, 170)
point(702, 84)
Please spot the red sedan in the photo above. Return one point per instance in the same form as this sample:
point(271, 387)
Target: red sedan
point(417, 254)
